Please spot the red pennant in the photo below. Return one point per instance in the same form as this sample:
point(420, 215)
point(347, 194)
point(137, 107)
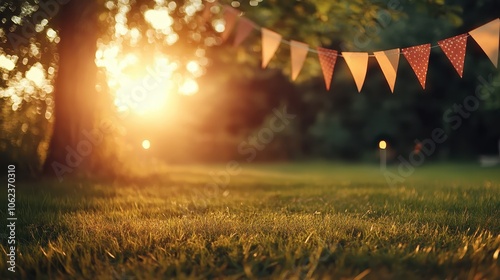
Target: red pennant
point(454, 48)
point(245, 27)
point(418, 57)
point(327, 59)
point(230, 17)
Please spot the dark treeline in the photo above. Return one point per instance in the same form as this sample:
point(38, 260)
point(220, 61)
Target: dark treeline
point(232, 114)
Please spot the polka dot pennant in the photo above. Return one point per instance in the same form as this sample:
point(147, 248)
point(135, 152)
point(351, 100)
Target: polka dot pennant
point(418, 57)
point(327, 59)
point(454, 48)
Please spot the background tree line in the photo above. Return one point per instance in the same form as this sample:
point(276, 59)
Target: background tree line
point(236, 97)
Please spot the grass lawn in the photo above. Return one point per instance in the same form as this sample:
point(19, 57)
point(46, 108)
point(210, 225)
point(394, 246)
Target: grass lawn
point(276, 221)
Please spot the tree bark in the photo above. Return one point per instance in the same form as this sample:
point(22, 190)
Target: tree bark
point(75, 95)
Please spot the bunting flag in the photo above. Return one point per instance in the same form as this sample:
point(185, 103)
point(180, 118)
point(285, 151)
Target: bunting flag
point(454, 48)
point(418, 57)
point(327, 59)
point(270, 43)
point(298, 52)
point(245, 27)
point(230, 17)
point(358, 64)
point(389, 61)
point(487, 37)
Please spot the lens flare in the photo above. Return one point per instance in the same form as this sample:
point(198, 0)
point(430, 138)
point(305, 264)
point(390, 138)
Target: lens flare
point(146, 144)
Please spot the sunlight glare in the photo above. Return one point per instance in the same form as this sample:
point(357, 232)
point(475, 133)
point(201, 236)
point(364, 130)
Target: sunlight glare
point(189, 87)
point(51, 34)
point(159, 19)
point(6, 63)
point(193, 67)
point(36, 74)
point(146, 144)
point(219, 26)
point(149, 91)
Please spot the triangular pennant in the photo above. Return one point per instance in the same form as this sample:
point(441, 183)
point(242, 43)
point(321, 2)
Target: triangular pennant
point(454, 48)
point(327, 59)
point(487, 37)
point(270, 43)
point(298, 52)
point(245, 26)
point(389, 61)
point(418, 57)
point(358, 64)
point(230, 17)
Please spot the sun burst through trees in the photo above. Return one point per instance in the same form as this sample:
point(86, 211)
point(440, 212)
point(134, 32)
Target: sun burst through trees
point(144, 82)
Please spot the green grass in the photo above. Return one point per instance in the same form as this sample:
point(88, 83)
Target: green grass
point(281, 221)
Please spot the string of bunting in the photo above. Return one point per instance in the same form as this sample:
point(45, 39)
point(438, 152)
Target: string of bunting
point(486, 36)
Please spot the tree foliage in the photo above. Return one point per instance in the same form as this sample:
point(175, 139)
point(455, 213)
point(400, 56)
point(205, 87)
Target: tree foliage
point(236, 96)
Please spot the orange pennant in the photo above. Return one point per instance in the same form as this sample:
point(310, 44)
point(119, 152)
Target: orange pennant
point(418, 57)
point(358, 64)
point(270, 43)
point(454, 48)
point(230, 17)
point(327, 59)
point(298, 52)
point(389, 61)
point(487, 37)
point(245, 26)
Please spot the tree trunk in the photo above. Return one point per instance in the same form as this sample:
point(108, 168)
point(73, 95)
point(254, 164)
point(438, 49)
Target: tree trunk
point(75, 95)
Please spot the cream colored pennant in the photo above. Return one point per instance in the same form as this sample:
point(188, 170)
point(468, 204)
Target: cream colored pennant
point(389, 61)
point(358, 64)
point(270, 43)
point(487, 37)
point(298, 52)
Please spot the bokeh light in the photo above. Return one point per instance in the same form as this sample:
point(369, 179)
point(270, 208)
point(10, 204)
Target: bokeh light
point(382, 145)
point(146, 144)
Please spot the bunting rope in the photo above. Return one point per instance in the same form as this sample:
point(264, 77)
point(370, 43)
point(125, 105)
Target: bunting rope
point(286, 42)
point(486, 36)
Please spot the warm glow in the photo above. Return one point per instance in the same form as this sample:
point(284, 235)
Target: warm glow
point(382, 145)
point(193, 67)
point(51, 34)
point(148, 89)
point(146, 144)
point(189, 87)
point(141, 88)
point(219, 26)
point(6, 63)
point(36, 74)
point(159, 19)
